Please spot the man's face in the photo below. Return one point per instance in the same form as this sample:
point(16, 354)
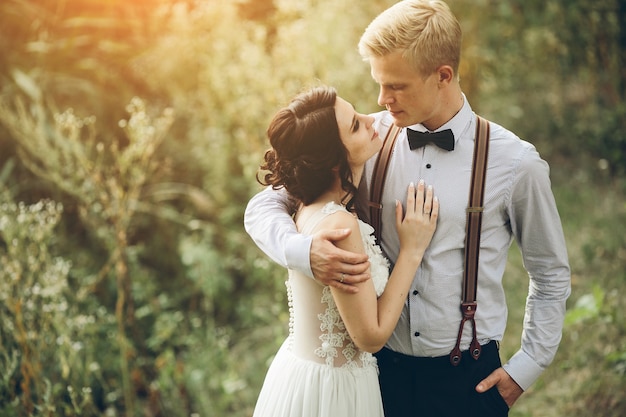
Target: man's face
point(410, 97)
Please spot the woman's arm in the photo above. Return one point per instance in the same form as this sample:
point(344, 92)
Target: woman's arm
point(371, 320)
point(269, 223)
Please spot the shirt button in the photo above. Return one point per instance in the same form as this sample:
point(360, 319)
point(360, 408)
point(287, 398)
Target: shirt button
point(428, 166)
point(416, 334)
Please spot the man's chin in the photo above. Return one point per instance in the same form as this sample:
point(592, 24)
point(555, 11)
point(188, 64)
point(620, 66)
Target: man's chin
point(400, 119)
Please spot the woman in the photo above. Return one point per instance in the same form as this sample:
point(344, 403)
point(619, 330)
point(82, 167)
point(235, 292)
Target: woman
point(326, 367)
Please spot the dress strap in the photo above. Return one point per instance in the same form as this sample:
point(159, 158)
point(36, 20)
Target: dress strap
point(318, 216)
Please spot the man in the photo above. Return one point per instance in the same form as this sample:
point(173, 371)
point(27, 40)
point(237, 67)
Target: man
point(413, 49)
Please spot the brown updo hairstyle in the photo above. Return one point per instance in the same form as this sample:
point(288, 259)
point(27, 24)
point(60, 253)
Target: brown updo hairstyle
point(306, 148)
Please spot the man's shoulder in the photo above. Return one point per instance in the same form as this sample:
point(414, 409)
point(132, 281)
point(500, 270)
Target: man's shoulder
point(508, 149)
point(503, 137)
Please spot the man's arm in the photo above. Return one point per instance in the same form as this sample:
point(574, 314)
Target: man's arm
point(537, 227)
point(269, 223)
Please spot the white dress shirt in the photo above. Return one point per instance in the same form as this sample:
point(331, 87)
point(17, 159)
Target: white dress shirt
point(518, 204)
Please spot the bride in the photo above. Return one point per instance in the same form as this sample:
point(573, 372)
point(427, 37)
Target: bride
point(325, 367)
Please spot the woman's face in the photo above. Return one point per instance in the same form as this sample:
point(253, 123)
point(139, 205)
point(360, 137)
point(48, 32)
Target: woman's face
point(357, 133)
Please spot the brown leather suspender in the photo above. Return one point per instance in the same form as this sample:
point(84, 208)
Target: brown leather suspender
point(472, 239)
point(474, 220)
point(378, 180)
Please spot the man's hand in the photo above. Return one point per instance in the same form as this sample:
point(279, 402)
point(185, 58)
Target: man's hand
point(508, 388)
point(334, 266)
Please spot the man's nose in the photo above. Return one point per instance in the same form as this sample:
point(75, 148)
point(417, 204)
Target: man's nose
point(384, 97)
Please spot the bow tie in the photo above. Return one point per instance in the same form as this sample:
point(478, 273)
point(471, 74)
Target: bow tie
point(443, 139)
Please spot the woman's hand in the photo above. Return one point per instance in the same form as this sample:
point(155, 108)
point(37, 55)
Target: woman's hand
point(417, 226)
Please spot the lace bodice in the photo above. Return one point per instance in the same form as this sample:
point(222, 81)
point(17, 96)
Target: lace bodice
point(316, 330)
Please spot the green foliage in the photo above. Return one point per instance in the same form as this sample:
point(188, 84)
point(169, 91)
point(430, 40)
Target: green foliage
point(41, 331)
point(597, 314)
point(587, 307)
point(551, 71)
point(130, 136)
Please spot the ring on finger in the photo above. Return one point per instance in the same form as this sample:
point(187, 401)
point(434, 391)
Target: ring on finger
point(343, 276)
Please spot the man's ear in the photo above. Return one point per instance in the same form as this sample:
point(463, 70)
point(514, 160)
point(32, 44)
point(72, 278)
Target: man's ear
point(445, 74)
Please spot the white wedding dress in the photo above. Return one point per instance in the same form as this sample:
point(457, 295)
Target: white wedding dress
point(318, 371)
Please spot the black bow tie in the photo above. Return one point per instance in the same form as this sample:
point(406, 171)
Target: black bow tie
point(443, 139)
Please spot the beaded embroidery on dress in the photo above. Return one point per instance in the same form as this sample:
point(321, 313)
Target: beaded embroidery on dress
point(319, 371)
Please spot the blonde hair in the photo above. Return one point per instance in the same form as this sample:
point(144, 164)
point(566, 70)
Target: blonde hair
point(425, 31)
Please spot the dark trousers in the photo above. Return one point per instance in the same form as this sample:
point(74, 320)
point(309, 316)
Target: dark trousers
point(432, 387)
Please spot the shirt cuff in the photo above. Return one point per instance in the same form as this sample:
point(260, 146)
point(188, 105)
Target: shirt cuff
point(297, 253)
point(523, 369)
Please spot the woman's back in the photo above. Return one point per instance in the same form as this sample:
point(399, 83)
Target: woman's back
point(317, 332)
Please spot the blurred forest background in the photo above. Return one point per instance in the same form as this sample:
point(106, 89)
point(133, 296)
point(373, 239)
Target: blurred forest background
point(130, 135)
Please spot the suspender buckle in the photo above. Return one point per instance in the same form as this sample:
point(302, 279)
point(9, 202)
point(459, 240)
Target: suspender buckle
point(469, 309)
